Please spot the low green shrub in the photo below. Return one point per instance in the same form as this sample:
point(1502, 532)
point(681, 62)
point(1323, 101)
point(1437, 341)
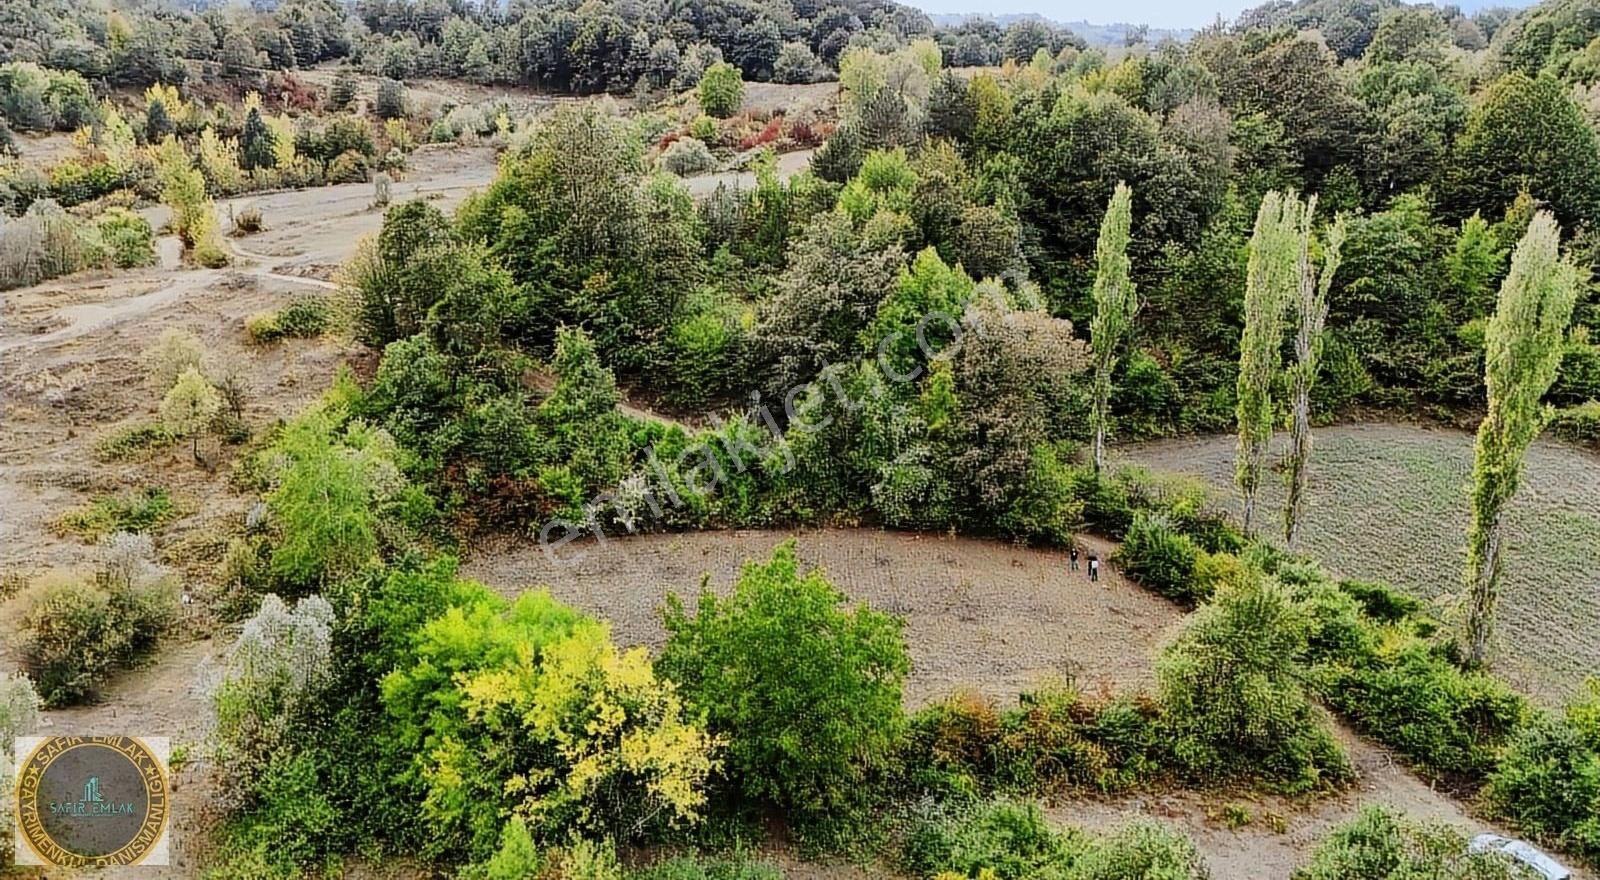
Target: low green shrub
point(1411, 698)
point(733, 867)
point(1010, 839)
point(1142, 850)
point(305, 317)
point(76, 631)
point(1161, 558)
point(1379, 845)
point(1382, 602)
point(1548, 784)
point(128, 238)
point(140, 511)
point(1579, 424)
point(1051, 740)
point(686, 156)
point(133, 442)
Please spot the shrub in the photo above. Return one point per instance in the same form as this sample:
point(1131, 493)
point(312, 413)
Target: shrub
point(1053, 738)
point(686, 156)
point(721, 90)
point(1231, 698)
point(1445, 720)
point(248, 221)
point(1161, 558)
point(1379, 845)
point(140, 511)
point(44, 243)
point(76, 631)
point(695, 867)
point(133, 441)
point(1142, 850)
point(127, 237)
point(391, 101)
point(1548, 784)
point(516, 859)
point(1579, 424)
point(526, 706)
point(19, 715)
point(274, 673)
point(1382, 602)
point(1003, 839)
point(348, 167)
point(808, 715)
point(303, 318)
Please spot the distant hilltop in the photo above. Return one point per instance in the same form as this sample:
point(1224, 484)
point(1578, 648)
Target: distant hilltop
point(1095, 34)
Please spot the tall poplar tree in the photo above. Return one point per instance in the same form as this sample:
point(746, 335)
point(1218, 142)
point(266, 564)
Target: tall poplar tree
point(1523, 344)
point(1311, 307)
point(1115, 303)
point(1270, 283)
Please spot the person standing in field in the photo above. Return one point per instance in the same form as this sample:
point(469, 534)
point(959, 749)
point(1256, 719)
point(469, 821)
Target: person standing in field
point(1073, 555)
point(1094, 568)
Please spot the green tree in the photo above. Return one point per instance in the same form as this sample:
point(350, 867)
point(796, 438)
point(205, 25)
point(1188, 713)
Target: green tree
point(1271, 281)
point(1311, 307)
point(1231, 693)
point(1526, 134)
point(1115, 303)
point(189, 407)
point(721, 90)
point(157, 121)
point(323, 504)
point(1523, 344)
point(808, 693)
point(256, 142)
point(344, 89)
point(391, 100)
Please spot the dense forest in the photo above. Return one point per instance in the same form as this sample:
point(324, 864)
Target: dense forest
point(1007, 251)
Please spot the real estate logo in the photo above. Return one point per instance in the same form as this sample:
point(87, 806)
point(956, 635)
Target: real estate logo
point(91, 800)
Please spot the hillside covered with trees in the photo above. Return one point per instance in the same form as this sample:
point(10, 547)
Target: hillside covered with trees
point(1000, 254)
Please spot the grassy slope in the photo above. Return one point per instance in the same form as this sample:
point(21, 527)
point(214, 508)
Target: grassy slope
point(1388, 502)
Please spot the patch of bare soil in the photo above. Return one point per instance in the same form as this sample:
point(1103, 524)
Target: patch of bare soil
point(980, 615)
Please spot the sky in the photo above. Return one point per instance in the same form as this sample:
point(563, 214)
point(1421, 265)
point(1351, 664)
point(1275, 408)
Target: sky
point(1157, 13)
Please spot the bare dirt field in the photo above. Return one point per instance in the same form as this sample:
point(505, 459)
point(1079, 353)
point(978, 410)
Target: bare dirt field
point(980, 615)
point(1389, 502)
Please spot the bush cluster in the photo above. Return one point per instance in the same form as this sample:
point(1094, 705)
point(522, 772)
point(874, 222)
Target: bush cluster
point(78, 629)
point(1009, 840)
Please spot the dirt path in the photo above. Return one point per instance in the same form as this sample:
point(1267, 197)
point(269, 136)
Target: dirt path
point(982, 615)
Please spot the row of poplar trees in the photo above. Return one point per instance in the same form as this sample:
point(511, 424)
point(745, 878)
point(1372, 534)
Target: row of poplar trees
point(1289, 273)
